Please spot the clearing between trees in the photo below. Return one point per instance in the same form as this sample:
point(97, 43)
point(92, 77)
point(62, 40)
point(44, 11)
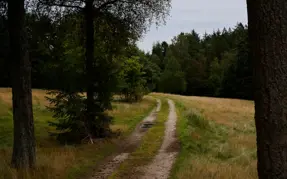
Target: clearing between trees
point(172, 137)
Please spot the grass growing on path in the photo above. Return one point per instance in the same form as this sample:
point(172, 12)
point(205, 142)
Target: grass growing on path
point(55, 161)
point(148, 148)
point(217, 138)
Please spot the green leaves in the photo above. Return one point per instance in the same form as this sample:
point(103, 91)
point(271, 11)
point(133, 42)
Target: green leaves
point(132, 83)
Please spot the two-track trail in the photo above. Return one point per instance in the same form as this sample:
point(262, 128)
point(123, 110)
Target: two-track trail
point(126, 147)
point(162, 164)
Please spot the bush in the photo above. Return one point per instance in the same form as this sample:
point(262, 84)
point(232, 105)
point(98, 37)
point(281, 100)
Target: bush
point(132, 83)
point(134, 94)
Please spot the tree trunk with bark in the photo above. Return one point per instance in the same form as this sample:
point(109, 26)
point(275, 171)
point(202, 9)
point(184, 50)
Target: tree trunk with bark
point(268, 41)
point(89, 25)
point(24, 139)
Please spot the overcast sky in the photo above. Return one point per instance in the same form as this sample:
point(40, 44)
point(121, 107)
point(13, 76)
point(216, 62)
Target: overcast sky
point(201, 15)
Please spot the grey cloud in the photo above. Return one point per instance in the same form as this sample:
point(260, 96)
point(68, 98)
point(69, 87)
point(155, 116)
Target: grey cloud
point(201, 15)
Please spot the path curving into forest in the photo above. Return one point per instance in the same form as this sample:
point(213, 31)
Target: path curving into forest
point(162, 164)
point(126, 147)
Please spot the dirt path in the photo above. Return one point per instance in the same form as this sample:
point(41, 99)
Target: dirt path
point(162, 163)
point(127, 146)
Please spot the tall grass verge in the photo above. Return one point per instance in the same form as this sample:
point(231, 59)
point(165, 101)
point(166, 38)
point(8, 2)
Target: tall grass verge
point(210, 150)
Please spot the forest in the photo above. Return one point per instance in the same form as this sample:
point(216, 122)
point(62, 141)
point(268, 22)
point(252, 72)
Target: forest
point(215, 64)
point(73, 80)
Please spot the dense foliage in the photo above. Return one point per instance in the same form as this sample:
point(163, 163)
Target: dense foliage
point(132, 85)
point(217, 64)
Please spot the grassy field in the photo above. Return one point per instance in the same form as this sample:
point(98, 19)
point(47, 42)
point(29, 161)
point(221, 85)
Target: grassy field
point(54, 160)
point(217, 138)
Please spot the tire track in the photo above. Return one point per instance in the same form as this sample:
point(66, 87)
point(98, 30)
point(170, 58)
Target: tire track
point(164, 160)
point(127, 146)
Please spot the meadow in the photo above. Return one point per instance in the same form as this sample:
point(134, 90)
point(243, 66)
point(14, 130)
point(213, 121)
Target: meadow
point(55, 160)
point(217, 138)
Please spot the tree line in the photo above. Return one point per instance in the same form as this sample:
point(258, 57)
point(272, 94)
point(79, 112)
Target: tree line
point(216, 64)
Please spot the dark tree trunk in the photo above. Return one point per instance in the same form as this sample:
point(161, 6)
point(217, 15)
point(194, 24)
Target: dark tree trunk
point(89, 19)
point(268, 42)
point(24, 140)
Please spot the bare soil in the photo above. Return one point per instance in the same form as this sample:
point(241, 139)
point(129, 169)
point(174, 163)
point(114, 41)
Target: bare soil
point(164, 160)
point(125, 147)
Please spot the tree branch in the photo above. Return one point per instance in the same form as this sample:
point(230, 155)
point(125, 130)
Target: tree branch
point(104, 5)
point(63, 4)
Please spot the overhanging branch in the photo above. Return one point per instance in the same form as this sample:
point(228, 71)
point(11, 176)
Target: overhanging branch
point(63, 4)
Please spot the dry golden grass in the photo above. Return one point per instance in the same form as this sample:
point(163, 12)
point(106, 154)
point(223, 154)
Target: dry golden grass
point(230, 112)
point(38, 96)
point(53, 160)
point(224, 111)
point(228, 151)
point(51, 163)
point(203, 168)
